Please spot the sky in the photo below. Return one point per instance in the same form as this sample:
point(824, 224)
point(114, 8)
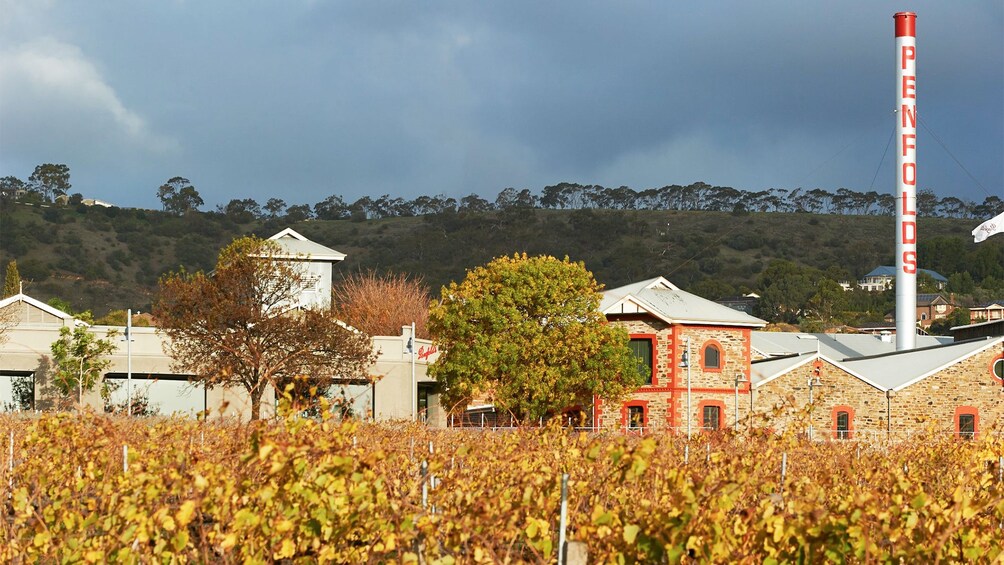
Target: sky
point(301, 100)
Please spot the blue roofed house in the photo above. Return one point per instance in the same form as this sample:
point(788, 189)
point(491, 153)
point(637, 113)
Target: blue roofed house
point(881, 278)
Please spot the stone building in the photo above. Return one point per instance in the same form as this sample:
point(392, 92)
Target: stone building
point(688, 344)
point(952, 388)
point(827, 386)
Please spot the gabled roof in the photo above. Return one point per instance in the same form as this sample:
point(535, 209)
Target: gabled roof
point(296, 246)
point(887, 271)
point(662, 299)
point(898, 370)
point(992, 303)
point(37, 304)
point(928, 299)
point(766, 370)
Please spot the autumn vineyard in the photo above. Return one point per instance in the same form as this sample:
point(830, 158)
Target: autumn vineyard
point(92, 488)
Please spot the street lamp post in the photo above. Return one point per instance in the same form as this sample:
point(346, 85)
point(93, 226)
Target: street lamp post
point(739, 379)
point(685, 362)
point(813, 382)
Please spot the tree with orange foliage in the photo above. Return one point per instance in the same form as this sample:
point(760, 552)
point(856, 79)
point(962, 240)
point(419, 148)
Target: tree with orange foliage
point(380, 305)
point(242, 325)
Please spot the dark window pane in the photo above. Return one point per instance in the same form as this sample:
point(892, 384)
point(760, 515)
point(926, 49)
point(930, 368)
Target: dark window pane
point(711, 417)
point(999, 368)
point(843, 425)
point(642, 349)
point(712, 357)
point(967, 425)
point(636, 417)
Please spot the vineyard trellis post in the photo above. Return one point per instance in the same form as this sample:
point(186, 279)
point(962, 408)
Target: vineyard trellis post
point(563, 519)
point(784, 469)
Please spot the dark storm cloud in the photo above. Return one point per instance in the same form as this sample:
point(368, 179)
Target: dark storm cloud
point(303, 100)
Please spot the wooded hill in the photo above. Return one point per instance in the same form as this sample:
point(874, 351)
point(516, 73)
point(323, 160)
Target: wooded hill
point(104, 259)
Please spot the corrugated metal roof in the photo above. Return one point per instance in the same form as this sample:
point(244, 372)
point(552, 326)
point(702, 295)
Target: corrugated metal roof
point(761, 371)
point(834, 346)
point(662, 299)
point(898, 370)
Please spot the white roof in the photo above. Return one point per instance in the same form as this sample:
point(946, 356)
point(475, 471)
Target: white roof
point(21, 297)
point(296, 246)
point(834, 346)
point(898, 370)
point(888, 371)
point(664, 300)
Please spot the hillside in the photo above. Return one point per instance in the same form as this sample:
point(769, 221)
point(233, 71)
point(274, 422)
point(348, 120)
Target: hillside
point(104, 259)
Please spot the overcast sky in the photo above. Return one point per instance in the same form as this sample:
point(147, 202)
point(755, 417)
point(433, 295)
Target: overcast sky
point(301, 100)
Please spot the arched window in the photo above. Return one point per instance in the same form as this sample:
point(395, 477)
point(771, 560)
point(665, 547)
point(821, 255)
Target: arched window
point(711, 357)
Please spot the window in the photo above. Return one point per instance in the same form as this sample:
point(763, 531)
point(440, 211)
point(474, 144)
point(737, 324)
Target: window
point(967, 426)
point(642, 347)
point(712, 358)
point(711, 417)
point(636, 417)
point(967, 422)
point(843, 425)
point(998, 369)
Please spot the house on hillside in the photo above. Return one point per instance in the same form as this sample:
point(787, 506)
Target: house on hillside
point(934, 307)
point(881, 278)
point(987, 311)
point(402, 388)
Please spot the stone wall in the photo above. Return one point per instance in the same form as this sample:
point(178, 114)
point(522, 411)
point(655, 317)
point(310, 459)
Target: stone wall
point(932, 403)
point(665, 401)
point(783, 403)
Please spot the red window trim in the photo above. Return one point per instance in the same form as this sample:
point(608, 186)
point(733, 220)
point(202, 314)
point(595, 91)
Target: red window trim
point(655, 357)
point(721, 356)
point(976, 420)
point(850, 420)
point(722, 419)
point(993, 362)
point(625, 412)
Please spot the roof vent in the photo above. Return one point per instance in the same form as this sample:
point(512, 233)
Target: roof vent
point(886, 336)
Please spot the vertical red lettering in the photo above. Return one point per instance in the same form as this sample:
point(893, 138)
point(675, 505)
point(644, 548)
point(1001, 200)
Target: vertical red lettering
point(909, 86)
point(907, 53)
point(906, 207)
point(910, 262)
point(907, 138)
point(910, 174)
point(908, 112)
point(909, 232)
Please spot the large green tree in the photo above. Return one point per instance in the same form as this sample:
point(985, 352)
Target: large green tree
point(178, 196)
point(50, 180)
point(79, 357)
point(526, 334)
point(242, 326)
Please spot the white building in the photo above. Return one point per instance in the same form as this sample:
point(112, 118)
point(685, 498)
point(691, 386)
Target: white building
point(402, 389)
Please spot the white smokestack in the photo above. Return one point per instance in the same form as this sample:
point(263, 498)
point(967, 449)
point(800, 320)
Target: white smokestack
point(906, 180)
